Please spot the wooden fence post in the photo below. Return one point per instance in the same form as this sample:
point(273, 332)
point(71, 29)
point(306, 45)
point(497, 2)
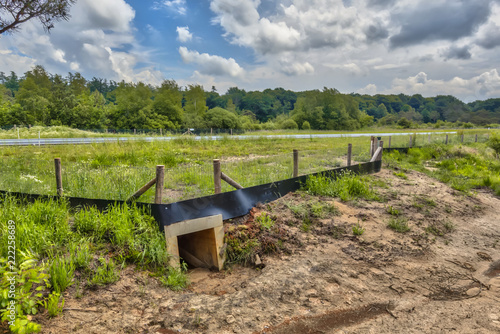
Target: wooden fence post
point(381, 145)
point(446, 142)
point(161, 132)
point(390, 137)
point(57, 163)
point(429, 138)
point(217, 177)
point(462, 138)
point(349, 154)
point(410, 142)
point(371, 147)
point(475, 140)
point(160, 176)
point(295, 163)
point(135, 131)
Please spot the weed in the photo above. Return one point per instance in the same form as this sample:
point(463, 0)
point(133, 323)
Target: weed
point(440, 228)
point(392, 210)
point(177, 278)
point(306, 225)
point(241, 250)
point(347, 186)
point(264, 221)
point(81, 256)
point(399, 224)
point(105, 273)
point(429, 201)
point(358, 229)
point(54, 304)
point(78, 290)
point(401, 175)
point(27, 297)
point(61, 273)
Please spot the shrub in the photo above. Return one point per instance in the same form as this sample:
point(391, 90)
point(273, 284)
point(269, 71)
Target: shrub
point(494, 143)
point(306, 126)
point(289, 124)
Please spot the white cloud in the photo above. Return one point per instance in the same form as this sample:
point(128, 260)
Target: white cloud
point(87, 43)
point(176, 6)
point(483, 86)
point(210, 64)
point(114, 15)
point(183, 34)
point(297, 68)
point(369, 89)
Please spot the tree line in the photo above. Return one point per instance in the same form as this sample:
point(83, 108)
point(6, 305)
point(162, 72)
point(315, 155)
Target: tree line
point(40, 98)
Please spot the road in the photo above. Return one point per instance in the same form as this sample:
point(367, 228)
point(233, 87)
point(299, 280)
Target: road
point(96, 140)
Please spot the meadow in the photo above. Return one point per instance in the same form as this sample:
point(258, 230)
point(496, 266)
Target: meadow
point(116, 170)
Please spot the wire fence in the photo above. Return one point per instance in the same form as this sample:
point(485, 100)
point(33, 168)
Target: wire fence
point(187, 181)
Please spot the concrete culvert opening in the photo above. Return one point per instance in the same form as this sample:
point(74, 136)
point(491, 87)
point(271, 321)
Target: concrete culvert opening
point(199, 242)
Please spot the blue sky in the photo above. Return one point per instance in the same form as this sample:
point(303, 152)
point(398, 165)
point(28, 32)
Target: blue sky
point(364, 46)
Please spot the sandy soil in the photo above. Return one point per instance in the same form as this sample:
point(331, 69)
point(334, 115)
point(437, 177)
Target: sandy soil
point(333, 282)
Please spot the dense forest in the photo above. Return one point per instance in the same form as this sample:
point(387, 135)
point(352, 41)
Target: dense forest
point(40, 98)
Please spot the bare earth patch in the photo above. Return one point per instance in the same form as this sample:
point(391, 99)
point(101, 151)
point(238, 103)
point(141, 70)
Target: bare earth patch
point(442, 276)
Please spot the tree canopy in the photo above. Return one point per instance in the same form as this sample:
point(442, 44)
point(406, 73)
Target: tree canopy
point(15, 12)
point(41, 98)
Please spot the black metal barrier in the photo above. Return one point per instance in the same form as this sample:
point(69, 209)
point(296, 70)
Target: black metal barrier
point(230, 204)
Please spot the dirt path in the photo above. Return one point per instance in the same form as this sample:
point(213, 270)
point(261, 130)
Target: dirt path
point(442, 276)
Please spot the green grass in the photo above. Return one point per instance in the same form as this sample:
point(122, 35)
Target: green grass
point(358, 229)
point(116, 170)
point(347, 186)
point(176, 278)
point(106, 273)
point(61, 273)
point(392, 210)
point(463, 167)
point(265, 222)
point(54, 304)
point(399, 224)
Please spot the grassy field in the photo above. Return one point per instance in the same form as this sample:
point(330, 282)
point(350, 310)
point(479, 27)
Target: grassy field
point(60, 251)
point(117, 170)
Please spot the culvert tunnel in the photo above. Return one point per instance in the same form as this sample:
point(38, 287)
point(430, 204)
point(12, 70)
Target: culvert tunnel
point(198, 242)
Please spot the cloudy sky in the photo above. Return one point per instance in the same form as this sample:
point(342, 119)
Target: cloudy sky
point(366, 46)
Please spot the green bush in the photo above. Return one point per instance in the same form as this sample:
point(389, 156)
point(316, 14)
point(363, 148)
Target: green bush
point(289, 124)
point(306, 126)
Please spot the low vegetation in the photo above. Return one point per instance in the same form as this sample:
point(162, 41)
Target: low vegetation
point(347, 186)
point(464, 167)
point(53, 244)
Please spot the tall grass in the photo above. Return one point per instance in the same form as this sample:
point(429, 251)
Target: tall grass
point(346, 186)
point(463, 167)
